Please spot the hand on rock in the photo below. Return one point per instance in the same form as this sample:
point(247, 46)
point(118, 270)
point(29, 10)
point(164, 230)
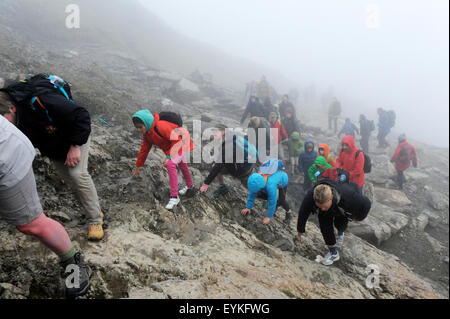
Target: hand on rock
point(266, 220)
point(136, 172)
point(245, 211)
point(204, 188)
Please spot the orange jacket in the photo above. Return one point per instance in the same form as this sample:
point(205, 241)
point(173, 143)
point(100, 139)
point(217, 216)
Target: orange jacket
point(330, 160)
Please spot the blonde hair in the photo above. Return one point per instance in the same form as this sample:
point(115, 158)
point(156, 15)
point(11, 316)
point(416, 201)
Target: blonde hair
point(322, 194)
point(254, 122)
point(5, 103)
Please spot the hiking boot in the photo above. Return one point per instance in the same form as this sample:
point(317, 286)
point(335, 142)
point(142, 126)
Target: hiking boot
point(172, 203)
point(340, 241)
point(330, 258)
point(184, 190)
point(95, 232)
point(76, 287)
point(288, 218)
point(221, 191)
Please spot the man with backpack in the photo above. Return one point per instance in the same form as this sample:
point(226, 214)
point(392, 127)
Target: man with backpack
point(403, 156)
point(351, 160)
point(335, 204)
point(20, 205)
point(43, 109)
point(230, 164)
point(385, 123)
point(334, 111)
point(366, 127)
point(270, 182)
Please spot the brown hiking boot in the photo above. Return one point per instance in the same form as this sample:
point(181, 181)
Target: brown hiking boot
point(95, 232)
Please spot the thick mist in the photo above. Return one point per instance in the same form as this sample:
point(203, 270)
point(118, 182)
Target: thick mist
point(392, 54)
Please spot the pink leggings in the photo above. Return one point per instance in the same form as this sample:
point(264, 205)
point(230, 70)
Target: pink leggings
point(171, 166)
point(49, 232)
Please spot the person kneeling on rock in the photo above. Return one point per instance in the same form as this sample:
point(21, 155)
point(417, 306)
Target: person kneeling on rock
point(270, 183)
point(336, 204)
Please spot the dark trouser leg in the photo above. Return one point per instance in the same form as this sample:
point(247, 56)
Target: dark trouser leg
point(365, 144)
point(326, 228)
point(307, 182)
point(340, 222)
point(282, 199)
point(400, 179)
point(335, 125)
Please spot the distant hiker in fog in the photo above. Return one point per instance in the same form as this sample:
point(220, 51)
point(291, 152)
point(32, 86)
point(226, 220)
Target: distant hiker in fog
point(251, 89)
point(158, 129)
point(384, 127)
point(229, 164)
point(260, 124)
point(352, 162)
point(334, 111)
point(335, 205)
point(291, 124)
point(403, 156)
point(269, 183)
point(268, 107)
point(365, 129)
point(295, 147)
point(286, 105)
point(305, 160)
point(254, 108)
point(348, 129)
point(264, 90)
point(279, 134)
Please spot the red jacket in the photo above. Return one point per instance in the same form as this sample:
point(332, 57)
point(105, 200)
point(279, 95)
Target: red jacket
point(163, 141)
point(281, 132)
point(404, 154)
point(347, 161)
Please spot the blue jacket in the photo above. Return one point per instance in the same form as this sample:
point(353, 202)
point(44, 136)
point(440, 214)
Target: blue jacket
point(256, 182)
point(384, 123)
point(306, 159)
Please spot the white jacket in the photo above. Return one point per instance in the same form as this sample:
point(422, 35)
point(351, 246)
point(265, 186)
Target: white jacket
point(16, 154)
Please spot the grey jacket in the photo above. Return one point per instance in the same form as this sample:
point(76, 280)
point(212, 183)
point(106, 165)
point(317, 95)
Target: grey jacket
point(16, 154)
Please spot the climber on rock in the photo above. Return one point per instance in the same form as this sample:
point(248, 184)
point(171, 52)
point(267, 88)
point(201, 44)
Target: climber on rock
point(20, 205)
point(336, 204)
point(269, 183)
point(403, 156)
point(167, 133)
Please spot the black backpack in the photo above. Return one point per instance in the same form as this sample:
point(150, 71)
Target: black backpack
point(171, 117)
point(367, 161)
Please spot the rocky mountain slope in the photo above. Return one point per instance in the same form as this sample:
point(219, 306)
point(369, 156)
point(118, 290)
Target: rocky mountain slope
point(206, 248)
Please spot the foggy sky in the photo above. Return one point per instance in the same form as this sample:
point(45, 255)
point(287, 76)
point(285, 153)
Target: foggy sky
point(396, 59)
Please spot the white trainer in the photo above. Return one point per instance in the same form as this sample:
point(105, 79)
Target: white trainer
point(172, 202)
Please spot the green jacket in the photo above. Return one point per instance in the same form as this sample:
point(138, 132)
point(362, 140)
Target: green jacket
point(319, 166)
point(295, 145)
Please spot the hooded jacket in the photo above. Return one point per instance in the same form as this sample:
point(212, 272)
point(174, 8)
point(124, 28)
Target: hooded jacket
point(346, 200)
point(347, 161)
point(280, 133)
point(254, 109)
point(349, 129)
point(330, 159)
point(256, 182)
point(285, 106)
point(159, 133)
point(295, 145)
point(319, 166)
point(306, 159)
point(404, 154)
point(384, 123)
point(291, 124)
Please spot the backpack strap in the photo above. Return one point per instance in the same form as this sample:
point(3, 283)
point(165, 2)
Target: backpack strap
point(357, 153)
point(36, 99)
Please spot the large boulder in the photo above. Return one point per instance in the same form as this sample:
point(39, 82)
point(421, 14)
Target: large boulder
point(392, 198)
point(382, 169)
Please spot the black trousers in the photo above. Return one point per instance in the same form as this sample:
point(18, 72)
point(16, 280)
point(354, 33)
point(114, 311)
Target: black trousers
point(326, 222)
point(382, 140)
point(365, 144)
point(400, 179)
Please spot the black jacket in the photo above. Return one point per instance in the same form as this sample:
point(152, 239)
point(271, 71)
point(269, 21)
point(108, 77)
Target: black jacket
point(346, 200)
point(366, 127)
point(254, 109)
point(236, 169)
point(53, 132)
point(285, 106)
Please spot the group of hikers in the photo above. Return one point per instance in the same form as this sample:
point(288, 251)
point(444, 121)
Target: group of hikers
point(39, 112)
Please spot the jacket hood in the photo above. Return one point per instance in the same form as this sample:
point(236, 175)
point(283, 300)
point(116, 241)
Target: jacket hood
point(295, 136)
point(309, 142)
point(320, 160)
point(256, 182)
point(350, 141)
point(145, 116)
point(326, 149)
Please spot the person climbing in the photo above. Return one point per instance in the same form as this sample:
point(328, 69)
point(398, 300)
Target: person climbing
point(250, 90)
point(264, 89)
point(291, 124)
point(254, 108)
point(403, 156)
point(334, 111)
point(352, 162)
point(174, 140)
point(384, 127)
point(269, 183)
point(319, 166)
point(61, 130)
point(279, 134)
point(324, 150)
point(305, 160)
point(260, 124)
point(295, 145)
point(20, 205)
point(268, 108)
point(348, 129)
point(286, 105)
point(366, 127)
point(335, 204)
point(230, 164)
